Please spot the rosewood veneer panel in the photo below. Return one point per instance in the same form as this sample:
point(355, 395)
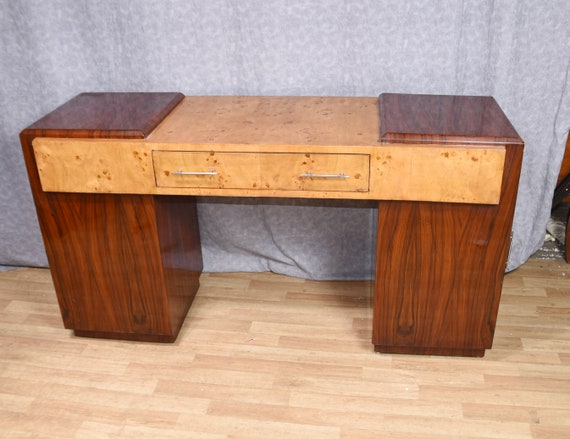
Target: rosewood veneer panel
point(124, 266)
point(414, 118)
point(440, 266)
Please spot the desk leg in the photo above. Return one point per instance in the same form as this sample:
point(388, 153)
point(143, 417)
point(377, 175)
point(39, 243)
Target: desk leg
point(124, 266)
point(439, 276)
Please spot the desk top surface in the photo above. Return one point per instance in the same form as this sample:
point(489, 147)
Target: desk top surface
point(261, 146)
point(285, 120)
point(277, 120)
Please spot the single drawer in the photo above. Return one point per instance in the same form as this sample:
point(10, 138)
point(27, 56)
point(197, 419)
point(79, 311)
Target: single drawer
point(262, 171)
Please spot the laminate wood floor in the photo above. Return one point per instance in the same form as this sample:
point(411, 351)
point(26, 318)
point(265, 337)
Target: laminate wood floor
point(268, 356)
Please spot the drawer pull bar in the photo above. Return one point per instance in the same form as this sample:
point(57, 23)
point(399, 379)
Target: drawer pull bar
point(342, 175)
point(181, 172)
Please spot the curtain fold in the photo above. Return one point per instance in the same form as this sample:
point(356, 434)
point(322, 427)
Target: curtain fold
point(516, 51)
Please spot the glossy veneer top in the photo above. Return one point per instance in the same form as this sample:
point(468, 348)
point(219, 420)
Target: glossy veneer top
point(119, 115)
point(415, 118)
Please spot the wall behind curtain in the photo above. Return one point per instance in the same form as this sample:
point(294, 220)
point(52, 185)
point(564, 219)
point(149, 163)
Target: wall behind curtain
point(516, 51)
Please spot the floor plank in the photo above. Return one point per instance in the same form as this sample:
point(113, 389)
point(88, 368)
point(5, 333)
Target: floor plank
point(265, 355)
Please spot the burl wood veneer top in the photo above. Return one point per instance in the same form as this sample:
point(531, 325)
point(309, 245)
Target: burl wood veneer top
point(275, 120)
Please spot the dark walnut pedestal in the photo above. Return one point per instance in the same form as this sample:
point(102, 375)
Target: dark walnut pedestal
point(441, 265)
point(115, 177)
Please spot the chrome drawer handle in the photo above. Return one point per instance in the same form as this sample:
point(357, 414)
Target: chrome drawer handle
point(181, 172)
point(342, 175)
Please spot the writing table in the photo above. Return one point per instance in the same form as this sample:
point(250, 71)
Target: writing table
point(115, 177)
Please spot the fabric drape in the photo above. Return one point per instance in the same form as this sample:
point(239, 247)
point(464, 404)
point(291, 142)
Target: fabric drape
point(516, 51)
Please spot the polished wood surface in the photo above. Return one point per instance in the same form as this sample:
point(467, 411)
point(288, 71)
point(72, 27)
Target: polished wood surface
point(460, 174)
point(283, 171)
point(416, 118)
point(270, 356)
point(335, 125)
point(272, 120)
point(135, 265)
point(440, 266)
point(270, 137)
point(95, 115)
point(109, 255)
point(107, 115)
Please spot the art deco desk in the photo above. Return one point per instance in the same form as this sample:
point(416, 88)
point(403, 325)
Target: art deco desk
point(115, 176)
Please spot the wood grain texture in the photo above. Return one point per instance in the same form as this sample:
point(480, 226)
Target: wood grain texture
point(439, 272)
point(109, 254)
point(272, 120)
point(416, 118)
point(273, 126)
point(108, 115)
point(282, 171)
point(436, 285)
point(270, 356)
point(131, 264)
point(96, 115)
point(439, 265)
point(461, 174)
point(181, 254)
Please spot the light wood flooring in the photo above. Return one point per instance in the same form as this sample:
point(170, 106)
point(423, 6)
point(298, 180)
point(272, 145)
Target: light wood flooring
point(269, 356)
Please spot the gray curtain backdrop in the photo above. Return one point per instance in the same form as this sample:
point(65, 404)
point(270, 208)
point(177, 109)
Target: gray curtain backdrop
point(516, 51)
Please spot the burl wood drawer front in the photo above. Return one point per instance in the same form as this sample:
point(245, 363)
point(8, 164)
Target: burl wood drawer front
point(262, 171)
point(437, 173)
